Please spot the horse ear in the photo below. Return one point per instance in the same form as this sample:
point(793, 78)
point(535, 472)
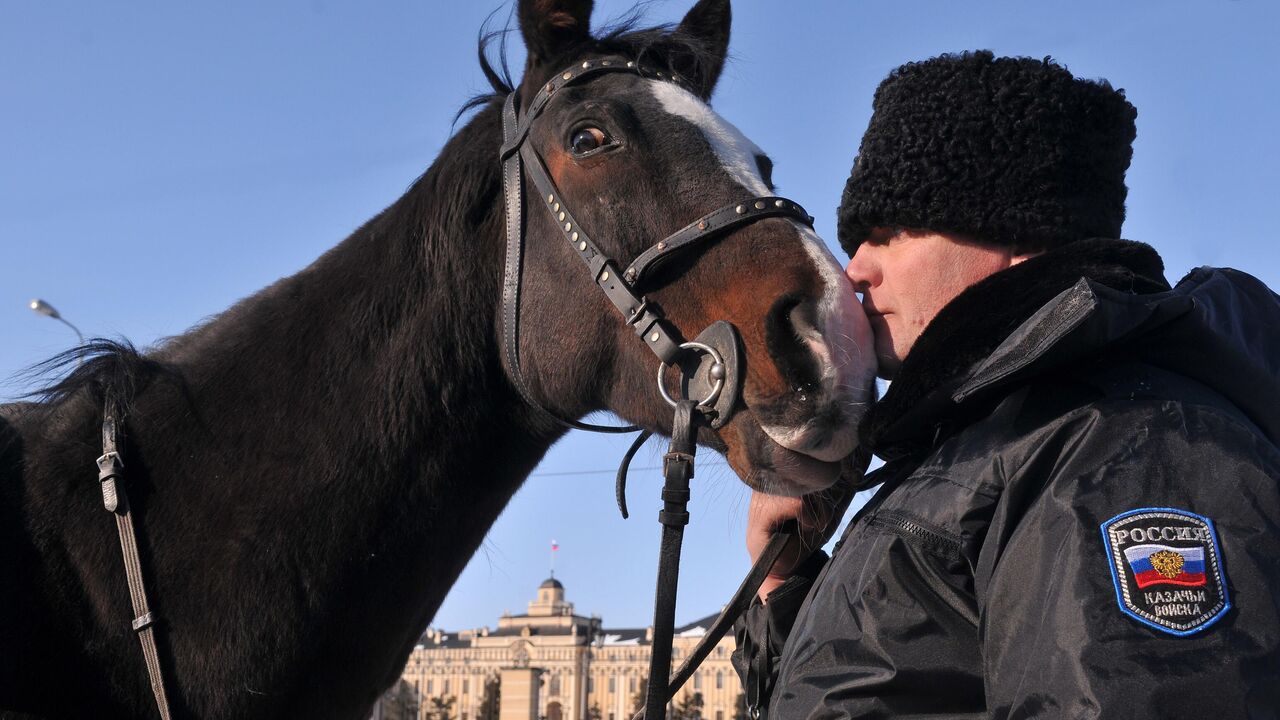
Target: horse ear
point(707, 23)
point(551, 26)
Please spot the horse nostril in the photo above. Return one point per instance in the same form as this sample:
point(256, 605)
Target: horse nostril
point(790, 331)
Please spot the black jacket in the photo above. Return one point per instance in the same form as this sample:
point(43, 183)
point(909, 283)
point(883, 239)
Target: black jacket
point(1079, 515)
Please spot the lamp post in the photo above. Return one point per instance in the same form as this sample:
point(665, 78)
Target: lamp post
point(44, 308)
point(41, 307)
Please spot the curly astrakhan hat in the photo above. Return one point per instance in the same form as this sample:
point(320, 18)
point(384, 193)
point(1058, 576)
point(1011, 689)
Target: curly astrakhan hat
point(1010, 151)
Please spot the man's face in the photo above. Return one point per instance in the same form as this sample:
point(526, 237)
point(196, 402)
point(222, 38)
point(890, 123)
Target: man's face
point(907, 276)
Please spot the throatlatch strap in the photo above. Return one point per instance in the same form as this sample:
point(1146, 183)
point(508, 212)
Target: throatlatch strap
point(116, 500)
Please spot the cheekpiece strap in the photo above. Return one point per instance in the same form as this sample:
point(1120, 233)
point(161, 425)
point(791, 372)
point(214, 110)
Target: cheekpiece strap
point(658, 335)
point(513, 194)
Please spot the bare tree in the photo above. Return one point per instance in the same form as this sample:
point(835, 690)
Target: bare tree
point(690, 707)
point(441, 708)
point(490, 702)
point(637, 701)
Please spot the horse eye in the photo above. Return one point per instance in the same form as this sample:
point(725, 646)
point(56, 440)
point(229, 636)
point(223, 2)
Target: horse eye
point(588, 139)
point(765, 165)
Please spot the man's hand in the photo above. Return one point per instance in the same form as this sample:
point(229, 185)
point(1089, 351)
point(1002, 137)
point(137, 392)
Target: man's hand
point(817, 515)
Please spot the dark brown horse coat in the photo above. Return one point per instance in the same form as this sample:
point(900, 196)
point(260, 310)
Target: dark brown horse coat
point(312, 469)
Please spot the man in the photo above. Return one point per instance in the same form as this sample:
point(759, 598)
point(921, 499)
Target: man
point(1079, 512)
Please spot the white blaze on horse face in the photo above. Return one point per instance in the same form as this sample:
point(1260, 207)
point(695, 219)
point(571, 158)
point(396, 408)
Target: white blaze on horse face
point(843, 342)
point(736, 153)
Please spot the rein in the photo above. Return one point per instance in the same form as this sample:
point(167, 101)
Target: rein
point(711, 366)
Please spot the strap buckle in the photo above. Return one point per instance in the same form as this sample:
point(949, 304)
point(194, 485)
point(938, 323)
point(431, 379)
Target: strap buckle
point(683, 470)
point(110, 467)
point(144, 621)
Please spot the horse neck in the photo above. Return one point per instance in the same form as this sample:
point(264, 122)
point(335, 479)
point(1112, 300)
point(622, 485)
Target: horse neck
point(392, 328)
point(364, 396)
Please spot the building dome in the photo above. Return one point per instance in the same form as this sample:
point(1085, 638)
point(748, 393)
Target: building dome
point(551, 583)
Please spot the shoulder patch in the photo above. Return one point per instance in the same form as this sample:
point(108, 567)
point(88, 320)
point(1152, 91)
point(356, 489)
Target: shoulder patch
point(1167, 569)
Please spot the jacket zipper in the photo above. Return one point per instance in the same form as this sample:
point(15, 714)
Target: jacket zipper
point(946, 544)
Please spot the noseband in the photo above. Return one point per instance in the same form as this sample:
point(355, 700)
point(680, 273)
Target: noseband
point(713, 376)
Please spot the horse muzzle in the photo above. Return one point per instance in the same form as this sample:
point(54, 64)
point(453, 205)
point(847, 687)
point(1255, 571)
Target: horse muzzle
point(823, 349)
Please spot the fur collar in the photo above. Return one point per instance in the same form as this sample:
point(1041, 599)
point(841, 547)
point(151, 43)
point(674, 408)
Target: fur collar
point(974, 324)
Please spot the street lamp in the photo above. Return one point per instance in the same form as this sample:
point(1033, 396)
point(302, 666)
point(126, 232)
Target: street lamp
point(43, 308)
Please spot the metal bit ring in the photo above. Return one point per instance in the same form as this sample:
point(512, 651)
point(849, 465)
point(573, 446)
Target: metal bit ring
point(717, 363)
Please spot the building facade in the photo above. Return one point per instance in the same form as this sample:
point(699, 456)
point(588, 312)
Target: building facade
point(559, 666)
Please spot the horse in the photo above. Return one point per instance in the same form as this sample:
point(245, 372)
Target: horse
point(311, 469)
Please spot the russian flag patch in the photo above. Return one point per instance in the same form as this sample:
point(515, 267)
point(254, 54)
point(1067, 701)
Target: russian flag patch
point(1167, 569)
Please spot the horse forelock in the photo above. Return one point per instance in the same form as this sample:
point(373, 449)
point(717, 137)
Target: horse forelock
point(665, 47)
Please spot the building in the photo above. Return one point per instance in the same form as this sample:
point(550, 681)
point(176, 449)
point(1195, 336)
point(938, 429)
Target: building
point(550, 663)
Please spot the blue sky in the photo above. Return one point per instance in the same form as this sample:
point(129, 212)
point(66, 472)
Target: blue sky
point(158, 163)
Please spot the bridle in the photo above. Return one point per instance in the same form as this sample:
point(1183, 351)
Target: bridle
point(624, 288)
point(711, 365)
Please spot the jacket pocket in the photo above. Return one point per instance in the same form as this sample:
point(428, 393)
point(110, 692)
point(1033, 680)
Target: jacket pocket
point(922, 535)
point(939, 562)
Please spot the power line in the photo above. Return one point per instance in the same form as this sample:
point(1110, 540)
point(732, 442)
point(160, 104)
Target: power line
point(613, 471)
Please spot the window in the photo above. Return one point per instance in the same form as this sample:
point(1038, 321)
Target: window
point(446, 687)
point(430, 687)
point(466, 689)
point(632, 684)
point(613, 684)
point(719, 715)
point(591, 684)
point(697, 681)
point(553, 688)
point(719, 679)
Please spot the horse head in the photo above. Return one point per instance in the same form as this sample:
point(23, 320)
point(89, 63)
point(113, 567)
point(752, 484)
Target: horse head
point(637, 157)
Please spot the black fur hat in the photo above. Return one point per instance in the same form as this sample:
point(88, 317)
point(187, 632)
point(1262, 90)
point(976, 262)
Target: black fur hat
point(1010, 151)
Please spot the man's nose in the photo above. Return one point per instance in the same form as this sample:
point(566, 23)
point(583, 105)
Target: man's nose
point(862, 269)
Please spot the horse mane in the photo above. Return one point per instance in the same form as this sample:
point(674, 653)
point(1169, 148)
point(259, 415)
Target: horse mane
point(111, 372)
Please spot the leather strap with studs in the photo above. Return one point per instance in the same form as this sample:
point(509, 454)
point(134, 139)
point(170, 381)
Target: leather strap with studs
point(718, 222)
point(571, 75)
point(658, 335)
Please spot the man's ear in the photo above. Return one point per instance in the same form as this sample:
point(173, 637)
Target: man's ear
point(550, 27)
point(707, 23)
